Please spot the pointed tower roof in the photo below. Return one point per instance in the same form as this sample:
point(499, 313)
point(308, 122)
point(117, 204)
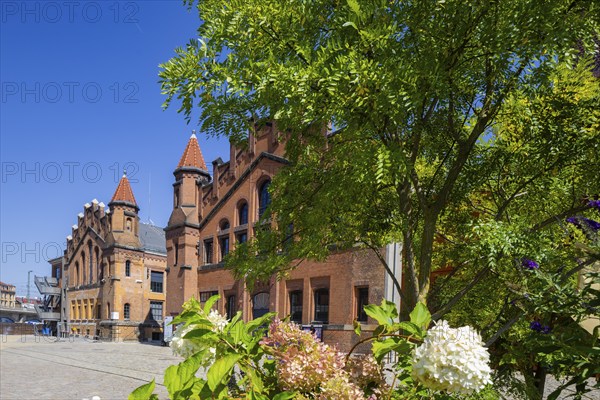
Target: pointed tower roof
point(192, 156)
point(124, 194)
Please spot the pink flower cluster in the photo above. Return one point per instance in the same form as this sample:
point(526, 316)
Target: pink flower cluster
point(366, 373)
point(307, 365)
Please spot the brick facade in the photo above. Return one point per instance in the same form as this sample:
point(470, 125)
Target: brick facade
point(211, 214)
point(114, 272)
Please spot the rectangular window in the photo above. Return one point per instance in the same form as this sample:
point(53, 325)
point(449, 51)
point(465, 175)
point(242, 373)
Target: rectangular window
point(231, 306)
point(224, 243)
point(156, 310)
point(362, 299)
point(204, 296)
point(322, 306)
point(208, 252)
point(242, 237)
point(296, 306)
point(156, 281)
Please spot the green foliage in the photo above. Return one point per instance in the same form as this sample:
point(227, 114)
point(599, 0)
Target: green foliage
point(144, 392)
point(468, 131)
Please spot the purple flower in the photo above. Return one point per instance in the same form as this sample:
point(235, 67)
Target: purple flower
point(574, 221)
point(538, 327)
point(529, 264)
point(589, 223)
point(594, 204)
point(535, 326)
point(546, 330)
point(593, 225)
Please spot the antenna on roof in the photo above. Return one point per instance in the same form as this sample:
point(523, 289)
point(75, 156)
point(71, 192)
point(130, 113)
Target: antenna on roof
point(149, 197)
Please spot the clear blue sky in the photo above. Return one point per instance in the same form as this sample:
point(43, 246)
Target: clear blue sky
point(80, 101)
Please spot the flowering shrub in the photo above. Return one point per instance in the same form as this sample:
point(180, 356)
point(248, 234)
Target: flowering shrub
point(307, 365)
point(184, 347)
point(452, 359)
point(188, 347)
point(365, 371)
point(283, 362)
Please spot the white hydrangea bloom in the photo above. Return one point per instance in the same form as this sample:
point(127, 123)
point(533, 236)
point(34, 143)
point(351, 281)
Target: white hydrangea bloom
point(181, 346)
point(452, 359)
point(217, 320)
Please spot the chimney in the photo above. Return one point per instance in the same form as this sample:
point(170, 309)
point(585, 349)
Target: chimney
point(232, 159)
point(216, 164)
point(251, 141)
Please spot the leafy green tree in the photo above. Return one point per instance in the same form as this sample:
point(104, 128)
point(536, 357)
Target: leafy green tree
point(414, 90)
point(466, 130)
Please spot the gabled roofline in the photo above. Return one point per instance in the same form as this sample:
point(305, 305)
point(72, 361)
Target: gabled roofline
point(237, 184)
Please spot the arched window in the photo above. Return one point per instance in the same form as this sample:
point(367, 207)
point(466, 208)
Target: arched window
point(127, 268)
point(243, 213)
point(76, 275)
point(82, 278)
point(98, 268)
point(126, 310)
point(264, 198)
point(260, 304)
point(224, 225)
point(91, 265)
point(128, 224)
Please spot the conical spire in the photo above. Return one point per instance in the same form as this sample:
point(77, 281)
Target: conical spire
point(192, 156)
point(124, 192)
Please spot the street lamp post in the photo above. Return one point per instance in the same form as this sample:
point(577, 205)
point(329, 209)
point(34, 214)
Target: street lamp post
point(28, 284)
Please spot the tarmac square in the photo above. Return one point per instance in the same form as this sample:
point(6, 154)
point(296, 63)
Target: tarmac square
point(34, 367)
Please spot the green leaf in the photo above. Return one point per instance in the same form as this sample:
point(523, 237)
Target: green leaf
point(198, 333)
point(284, 396)
point(354, 6)
point(384, 313)
point(221, 369)
point(381, 348)
point(143, 392)
point(420, 316)
point(210, 302)
point(357, 327)
point(409, 327)
point(177, 377)
point(350, 23)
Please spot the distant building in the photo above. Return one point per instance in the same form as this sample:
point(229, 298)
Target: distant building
point(211, 215)
point(112, 272)
point(7, 295)
point(119, 277)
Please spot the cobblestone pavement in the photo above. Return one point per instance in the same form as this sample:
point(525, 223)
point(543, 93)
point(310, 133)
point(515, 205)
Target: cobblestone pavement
point(40, 368)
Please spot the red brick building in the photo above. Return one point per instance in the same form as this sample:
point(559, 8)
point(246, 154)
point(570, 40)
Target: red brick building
point(212, 214)
point(113, 272)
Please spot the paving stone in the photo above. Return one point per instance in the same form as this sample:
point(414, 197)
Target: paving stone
point(39, 368)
